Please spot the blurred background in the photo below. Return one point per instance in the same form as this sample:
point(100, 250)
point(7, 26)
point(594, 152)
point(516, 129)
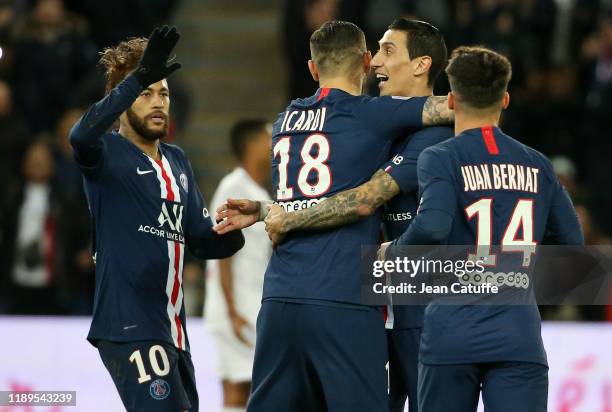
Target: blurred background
point(246, 59)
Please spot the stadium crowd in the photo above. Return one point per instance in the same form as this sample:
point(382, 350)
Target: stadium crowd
point(561, 53)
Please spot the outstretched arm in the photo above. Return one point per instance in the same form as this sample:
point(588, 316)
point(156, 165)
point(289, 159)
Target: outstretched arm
point(86, 134)
point(343, 208)
point(238, 214)
point(203, 242)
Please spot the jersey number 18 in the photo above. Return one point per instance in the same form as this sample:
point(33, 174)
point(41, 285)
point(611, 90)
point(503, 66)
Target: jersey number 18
point(310, 164)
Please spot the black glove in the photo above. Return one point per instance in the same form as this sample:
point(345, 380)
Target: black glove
point(153, 64)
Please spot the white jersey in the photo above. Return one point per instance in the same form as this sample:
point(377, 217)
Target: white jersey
point(248, 264)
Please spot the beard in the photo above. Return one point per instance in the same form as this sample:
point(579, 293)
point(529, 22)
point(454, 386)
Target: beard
point(140, 126)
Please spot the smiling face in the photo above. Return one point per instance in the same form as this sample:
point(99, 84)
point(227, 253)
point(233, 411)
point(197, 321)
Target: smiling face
point(148, 116)
point(392, 66)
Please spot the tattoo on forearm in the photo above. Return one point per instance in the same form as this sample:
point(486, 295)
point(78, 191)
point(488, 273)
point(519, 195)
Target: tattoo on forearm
point(345, 207)
point(436, 111)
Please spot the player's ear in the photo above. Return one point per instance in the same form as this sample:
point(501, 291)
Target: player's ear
point(451, 101)
point(312, 67)
point(506, 101)
point(367, 61)
point(423, 65)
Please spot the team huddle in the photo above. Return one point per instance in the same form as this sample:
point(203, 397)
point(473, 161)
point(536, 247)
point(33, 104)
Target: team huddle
point(343, 166)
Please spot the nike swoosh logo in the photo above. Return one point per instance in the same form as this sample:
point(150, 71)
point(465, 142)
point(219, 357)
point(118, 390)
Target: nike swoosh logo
point(143, 172)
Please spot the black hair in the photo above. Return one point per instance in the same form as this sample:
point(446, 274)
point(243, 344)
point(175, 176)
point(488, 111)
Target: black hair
point(244, 131)
point(478, 76)
point(423, 39)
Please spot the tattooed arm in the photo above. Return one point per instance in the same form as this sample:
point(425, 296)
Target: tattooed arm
point(436, 112)
point(343, 208)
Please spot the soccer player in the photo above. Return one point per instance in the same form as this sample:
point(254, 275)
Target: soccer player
point(318, 347)
point(484, 188)
point(145, 207)
point(235, 284)
point(411, 56)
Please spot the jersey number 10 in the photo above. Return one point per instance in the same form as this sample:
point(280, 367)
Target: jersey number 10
point(310, 163)
point(522, 216)
point(159, 369)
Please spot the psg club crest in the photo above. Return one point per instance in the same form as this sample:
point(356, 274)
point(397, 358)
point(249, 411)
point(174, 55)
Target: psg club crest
point(183, 179)
point(159, 389)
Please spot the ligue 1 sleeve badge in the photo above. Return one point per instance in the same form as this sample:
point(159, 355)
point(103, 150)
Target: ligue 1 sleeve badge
point(159, 389)
point(183, 179)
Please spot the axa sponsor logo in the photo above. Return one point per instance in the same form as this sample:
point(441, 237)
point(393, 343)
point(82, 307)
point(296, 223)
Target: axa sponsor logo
point(170, 223)
point(174, 221)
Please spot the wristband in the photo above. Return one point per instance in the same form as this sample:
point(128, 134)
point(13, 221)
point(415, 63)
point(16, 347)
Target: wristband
point(263, 209)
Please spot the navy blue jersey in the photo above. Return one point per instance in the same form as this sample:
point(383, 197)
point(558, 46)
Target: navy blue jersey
point(144, 212)
point(498, 192)
point(323, 145)
point(400, 210)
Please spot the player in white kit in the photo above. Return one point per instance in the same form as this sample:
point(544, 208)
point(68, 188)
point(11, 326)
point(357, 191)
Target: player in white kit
point(234, 285)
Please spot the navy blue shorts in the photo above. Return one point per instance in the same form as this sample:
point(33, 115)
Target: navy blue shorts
point(312, 358)
point(506, 387)
point(403, 368)
point(151, 376)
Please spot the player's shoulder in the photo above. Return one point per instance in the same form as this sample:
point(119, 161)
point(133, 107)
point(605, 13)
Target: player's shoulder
point(172, 147)
point(441, 152)
point(446, 146)
point(176, 153)
point(433, 134)
point(531, 154)
point(174, 150)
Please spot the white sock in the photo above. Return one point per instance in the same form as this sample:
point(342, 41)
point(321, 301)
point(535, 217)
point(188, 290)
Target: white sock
point(233, 409)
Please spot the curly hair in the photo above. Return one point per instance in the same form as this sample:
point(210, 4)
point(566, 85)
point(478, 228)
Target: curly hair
point(122, 59)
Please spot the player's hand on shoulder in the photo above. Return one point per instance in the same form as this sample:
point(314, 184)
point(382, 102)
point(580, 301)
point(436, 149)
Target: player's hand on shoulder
point(153, 65)
point(275, 224)
point(236, 214)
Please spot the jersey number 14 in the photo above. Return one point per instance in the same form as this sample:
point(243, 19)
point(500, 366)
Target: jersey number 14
point(310, 164)
point(522, 216)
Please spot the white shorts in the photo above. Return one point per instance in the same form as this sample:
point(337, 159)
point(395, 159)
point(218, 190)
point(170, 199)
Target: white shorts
point(235, 357)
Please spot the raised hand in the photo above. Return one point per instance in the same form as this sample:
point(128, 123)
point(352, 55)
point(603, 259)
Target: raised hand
point(236, 214)
point(153, 65)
